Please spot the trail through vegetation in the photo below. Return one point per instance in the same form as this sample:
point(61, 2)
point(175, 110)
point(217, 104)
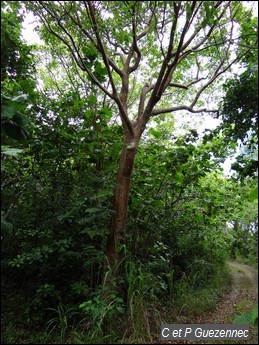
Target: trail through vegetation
point(116, 211)
point(242, 297)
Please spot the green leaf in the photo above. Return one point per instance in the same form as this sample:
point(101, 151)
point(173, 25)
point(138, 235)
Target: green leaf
point(93, 233)
point(158, 203)
point(7, 111)
point(254, 315)
point(99, 69)
point(208, 11)
point(12, 105)
point(102, 195)
point(90, 53)
point(179, 177)
point(91, 100)
point(21, 98)
point(14, 131)
point(106, 113)
point(5, 225)
point(92, 210)
point(254, 194)
point(188, 10)
point(155, 133)
point(11, 151)
point(243, 319)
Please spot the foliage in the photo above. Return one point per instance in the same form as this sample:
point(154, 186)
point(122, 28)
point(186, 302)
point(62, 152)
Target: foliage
point(61, 147)
point(243, 227)
point(240, 120)
point(16, 60)
point(110, 48)
point(249, 318)
point(100, 310)
point(239, 112)
point(61, 321)
point(182, 205)
point(17, 71)
point(240, 107)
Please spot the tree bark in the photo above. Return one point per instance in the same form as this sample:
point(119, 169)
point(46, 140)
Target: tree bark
point(120, 203)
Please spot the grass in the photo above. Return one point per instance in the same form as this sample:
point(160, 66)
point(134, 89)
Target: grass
point(192, 302)
point(251, 261)
point(244, 305)
point(13, 334)
point(141, 321)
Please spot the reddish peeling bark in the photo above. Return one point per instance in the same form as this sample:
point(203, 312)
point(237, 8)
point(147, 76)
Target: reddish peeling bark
point(121, 197)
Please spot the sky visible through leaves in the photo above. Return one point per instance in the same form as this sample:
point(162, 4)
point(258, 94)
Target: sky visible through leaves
point(182, 120)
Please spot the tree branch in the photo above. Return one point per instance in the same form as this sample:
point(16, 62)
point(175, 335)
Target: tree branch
point(75, 53)
point(159, 111)
point(135, 48)
point(156, 94)
point(90, 37)
point(168, 75)
point(186, 87)
point(122, 109)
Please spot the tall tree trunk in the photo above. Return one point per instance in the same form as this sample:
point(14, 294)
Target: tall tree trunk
point(121, 197)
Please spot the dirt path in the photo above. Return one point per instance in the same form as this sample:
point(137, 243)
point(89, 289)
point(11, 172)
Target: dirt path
point(249, 275)
point(242, 297)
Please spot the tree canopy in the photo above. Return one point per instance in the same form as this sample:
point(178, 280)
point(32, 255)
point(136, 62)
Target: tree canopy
point(110, 215)
point(148, 58)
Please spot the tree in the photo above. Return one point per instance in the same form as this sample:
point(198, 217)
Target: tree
point(150, 59)
point(16, 59)
point(17, 85)
point(240, 104)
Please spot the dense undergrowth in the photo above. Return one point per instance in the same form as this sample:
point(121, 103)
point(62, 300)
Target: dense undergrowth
point(108, 320)
point(60, 152)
